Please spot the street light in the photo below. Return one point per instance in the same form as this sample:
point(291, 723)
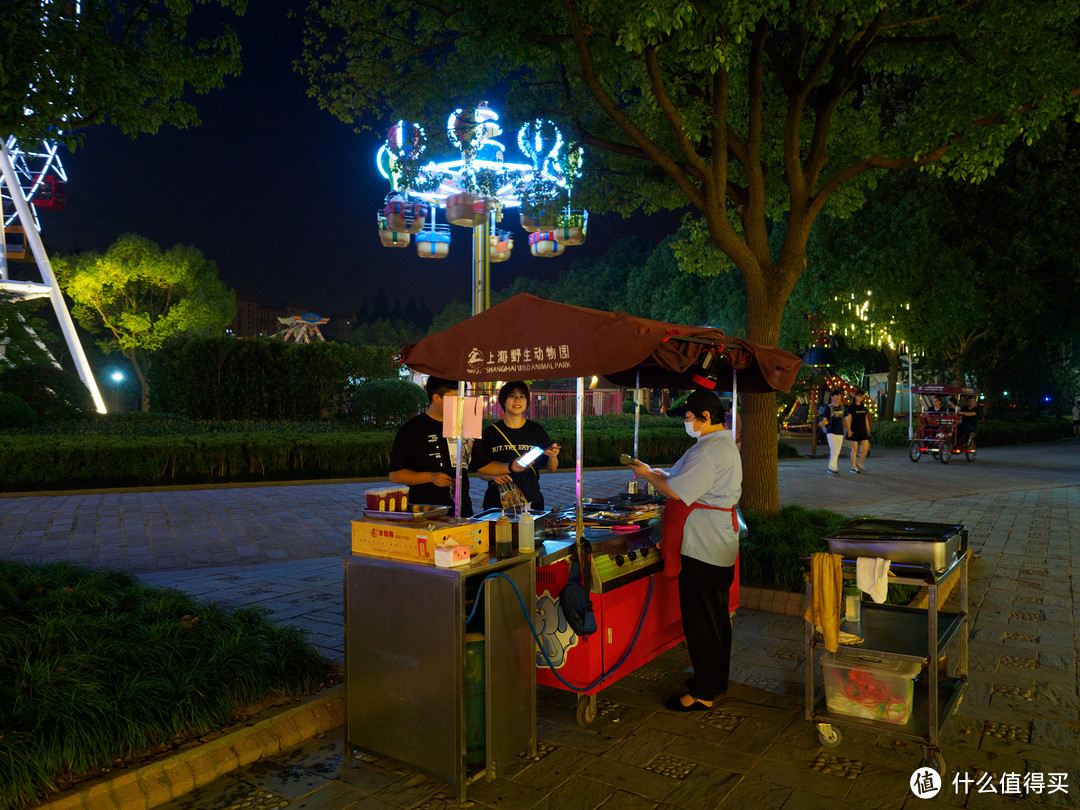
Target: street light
point(117, 377)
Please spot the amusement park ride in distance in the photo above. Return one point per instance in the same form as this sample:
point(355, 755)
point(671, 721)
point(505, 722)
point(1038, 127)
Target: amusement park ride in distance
point(474, 190)
point(32, 177)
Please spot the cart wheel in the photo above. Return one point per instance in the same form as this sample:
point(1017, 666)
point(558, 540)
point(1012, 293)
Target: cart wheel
point(945, 452)
point(586, 710)
point(970, 449)
point(932, 758)
point(829, 736)
point(914, 451)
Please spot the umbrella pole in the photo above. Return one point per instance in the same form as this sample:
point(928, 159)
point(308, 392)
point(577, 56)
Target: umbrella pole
point(460, 407)
point(637, 408)
point(734, 406)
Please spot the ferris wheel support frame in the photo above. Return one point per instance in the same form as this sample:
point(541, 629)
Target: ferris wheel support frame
point(33, 239)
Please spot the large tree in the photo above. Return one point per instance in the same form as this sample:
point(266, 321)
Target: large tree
point(748, 111)
point(139, 296)
point(131, 63)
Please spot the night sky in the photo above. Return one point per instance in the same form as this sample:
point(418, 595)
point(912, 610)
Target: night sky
point(279, 194)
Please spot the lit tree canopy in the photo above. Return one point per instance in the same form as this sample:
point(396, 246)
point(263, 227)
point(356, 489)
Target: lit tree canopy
point(129, 63)
point(139, 296)
point(747, 111)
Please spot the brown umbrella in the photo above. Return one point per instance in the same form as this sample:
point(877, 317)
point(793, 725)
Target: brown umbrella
point(529, 338)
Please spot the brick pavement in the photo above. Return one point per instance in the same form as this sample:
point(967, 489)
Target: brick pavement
point(1019, 715)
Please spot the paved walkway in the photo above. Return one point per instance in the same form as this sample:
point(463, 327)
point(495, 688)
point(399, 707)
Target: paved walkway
point(1018, 726)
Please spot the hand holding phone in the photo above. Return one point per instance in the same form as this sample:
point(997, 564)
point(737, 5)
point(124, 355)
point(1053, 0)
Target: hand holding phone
point(530, 456)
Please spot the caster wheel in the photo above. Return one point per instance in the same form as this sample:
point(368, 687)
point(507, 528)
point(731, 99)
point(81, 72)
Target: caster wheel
point(932, 758)
point(586, 710)
point(829, 736)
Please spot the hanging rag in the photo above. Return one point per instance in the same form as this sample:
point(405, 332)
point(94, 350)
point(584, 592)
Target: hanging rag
point(671, 530)
point(872, 577)
point(826, 597)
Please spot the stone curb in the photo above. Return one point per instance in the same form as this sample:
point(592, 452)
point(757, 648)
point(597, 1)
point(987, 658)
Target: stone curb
point(168, 778)
point(783, 602)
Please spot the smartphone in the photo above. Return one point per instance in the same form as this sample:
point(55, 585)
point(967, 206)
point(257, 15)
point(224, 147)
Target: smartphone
point(530, 456)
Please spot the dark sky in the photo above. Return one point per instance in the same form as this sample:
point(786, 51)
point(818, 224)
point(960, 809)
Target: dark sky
point(279, 194)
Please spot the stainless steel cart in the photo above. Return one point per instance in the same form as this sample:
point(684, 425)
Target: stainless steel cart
point(405, 664)
point(907, 634)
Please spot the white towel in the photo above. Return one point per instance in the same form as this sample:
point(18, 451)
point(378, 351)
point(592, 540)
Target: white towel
point(872, 577)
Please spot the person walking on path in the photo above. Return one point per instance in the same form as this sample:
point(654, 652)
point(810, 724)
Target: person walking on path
point(857, 427)
point(1076, 418)
point(832, 422)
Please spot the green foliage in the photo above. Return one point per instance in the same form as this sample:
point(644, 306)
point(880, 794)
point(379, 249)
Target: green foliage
point(95, 668)
point(129, 63)
point(54, 395)
point(393, 334)
point(20, 331)
point(15, 413)
point(385, 403)
point(139, 297)
point(258, 378)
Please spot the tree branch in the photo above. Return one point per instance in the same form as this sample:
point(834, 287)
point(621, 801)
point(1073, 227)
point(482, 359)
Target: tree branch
point(650, 150)
point(656, 82)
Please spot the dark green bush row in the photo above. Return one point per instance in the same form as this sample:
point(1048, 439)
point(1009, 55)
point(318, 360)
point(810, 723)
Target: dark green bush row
point(156, 450)
point(96, 668)
point(769, 557)
point(991, 432)
point(254, 378)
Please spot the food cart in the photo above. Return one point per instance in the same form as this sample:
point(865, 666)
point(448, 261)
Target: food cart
point(526, 337)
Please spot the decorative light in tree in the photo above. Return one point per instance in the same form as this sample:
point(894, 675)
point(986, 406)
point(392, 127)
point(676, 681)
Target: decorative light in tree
point(474, 189)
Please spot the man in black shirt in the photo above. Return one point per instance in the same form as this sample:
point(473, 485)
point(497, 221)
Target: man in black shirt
point(424, 460)
point(969, 420)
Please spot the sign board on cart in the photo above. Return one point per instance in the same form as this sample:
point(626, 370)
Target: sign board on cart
point(416, 541)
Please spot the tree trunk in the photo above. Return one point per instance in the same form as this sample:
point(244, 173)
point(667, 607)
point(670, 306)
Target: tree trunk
point(764, 309)
point(144, 386)
point(893, 356)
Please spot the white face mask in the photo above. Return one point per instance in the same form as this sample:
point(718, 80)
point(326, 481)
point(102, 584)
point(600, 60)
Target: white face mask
point(689, 426)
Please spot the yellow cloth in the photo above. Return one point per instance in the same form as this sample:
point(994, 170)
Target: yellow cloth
point(826, 596)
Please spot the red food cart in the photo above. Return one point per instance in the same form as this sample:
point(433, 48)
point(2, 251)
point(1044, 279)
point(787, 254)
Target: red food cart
point(614, 540)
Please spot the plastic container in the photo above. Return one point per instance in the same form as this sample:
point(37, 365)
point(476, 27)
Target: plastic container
point(526, 532)
point(504, 538)
point(852, 604)
point(861, 685)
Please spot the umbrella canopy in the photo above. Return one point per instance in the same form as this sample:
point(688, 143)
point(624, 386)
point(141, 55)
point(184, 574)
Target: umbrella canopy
point(529, 338)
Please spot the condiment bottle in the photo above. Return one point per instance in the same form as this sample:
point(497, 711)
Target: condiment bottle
point(504, 538)
point(526, 531)
point(852, 604)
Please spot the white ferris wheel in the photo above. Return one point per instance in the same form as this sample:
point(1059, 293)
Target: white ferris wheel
point(32, 177)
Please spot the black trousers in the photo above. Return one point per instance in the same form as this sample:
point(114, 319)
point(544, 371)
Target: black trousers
point(703, 600)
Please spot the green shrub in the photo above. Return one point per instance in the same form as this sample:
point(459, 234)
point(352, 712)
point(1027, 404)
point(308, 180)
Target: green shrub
point(14, 412)
point(96, 668)
point(259, 378)
point(385, 403)
point(54, 395)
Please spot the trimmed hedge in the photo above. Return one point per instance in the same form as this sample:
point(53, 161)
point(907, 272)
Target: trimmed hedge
point(52, 394)
point(162, 449)
point(991, 432)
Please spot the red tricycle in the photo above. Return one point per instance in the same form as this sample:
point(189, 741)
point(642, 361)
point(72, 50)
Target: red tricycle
point(938, 430)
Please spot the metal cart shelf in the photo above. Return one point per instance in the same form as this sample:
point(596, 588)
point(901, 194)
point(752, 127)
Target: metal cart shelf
point(907, 634)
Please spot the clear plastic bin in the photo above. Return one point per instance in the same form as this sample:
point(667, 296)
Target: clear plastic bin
point(863, 685)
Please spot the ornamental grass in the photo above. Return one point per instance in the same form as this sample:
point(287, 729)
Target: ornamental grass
point(97, 669)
